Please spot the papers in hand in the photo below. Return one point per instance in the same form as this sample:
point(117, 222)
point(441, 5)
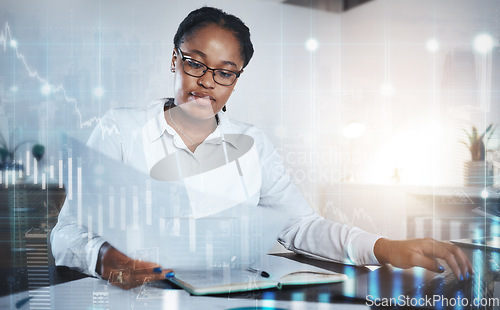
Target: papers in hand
point(153, 220)
point(273, 272)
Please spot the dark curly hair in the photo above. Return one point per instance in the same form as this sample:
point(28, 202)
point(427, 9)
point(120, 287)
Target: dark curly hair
point(205, 16)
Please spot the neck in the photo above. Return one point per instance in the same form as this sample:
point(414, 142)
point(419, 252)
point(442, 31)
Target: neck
point(191, 124)
point(193, 131)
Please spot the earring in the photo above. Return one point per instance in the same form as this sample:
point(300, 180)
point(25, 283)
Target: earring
point(224, 109)
point(172, 70)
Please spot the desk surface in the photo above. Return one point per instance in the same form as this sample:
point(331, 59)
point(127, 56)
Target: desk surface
point(91, 293)
point(381, 284)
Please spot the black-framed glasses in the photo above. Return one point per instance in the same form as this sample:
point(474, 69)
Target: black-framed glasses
point(197, 69)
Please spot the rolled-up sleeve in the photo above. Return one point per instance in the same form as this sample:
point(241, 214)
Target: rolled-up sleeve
point(72, 245)
point(307, 232)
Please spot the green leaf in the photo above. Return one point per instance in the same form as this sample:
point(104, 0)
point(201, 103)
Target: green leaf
point(468, 135)
point(21, 144)
point(3, 154)
point(3, 142)
point(38, 150)
point(11, 139)
point(491, 133)
point(474, 133)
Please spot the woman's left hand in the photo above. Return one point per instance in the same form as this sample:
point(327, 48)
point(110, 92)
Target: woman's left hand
point(125, 272)
point(423, 253)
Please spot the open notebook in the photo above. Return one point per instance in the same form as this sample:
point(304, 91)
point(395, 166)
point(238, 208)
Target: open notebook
point(271, 272)
point(152, 220)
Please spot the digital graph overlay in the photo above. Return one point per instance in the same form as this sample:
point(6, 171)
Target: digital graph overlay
point(8, 40)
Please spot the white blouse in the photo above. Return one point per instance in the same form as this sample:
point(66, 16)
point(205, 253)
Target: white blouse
point(142, 139)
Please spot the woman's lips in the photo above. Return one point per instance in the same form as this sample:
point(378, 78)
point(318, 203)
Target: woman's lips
point(202, 99)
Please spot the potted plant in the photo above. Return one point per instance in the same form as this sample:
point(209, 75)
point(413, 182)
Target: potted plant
point(478, 171)
point(8, 153)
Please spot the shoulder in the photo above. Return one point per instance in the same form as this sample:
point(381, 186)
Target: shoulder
point(123, 123)
point(130, 117)
point(237, 127)
point(262, 141)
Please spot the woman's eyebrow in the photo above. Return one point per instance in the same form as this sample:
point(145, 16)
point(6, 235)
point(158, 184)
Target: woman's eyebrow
point(227, 62)
point(203, 55)
point(200, 53)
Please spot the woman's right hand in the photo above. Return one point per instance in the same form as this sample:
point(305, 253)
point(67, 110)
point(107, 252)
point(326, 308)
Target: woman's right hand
point(424, 253)
point(125, 272)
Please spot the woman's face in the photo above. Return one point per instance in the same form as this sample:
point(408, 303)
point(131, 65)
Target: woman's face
point(218, 48)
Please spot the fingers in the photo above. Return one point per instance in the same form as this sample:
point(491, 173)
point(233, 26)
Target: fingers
point(425, 262)
point(138, 274)
point(159, 274)
point(151, 271)
point(453, 255)
point(455, 258)
point(125, 272)
point(424, 253)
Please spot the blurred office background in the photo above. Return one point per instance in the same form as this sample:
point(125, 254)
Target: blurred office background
point(367, 101)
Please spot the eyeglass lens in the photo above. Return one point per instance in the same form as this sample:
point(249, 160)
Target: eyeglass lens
point(195, 68)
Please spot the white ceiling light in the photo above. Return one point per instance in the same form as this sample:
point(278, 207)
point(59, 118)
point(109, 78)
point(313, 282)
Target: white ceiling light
point(483, 43)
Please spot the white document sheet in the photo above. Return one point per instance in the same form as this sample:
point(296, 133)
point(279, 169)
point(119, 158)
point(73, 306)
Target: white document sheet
point(153, 220)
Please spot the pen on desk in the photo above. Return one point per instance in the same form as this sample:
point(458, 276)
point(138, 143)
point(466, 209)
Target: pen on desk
point(262, 273)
